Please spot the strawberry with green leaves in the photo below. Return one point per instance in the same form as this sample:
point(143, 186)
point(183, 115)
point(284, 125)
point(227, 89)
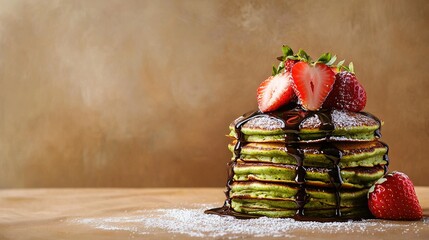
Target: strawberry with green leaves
point(297, 75)
point(313, 81)
point(393, 197)
point(277, 90)
point(347, 93)
point(287, 61)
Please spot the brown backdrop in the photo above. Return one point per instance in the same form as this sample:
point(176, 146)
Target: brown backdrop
point(140, 93)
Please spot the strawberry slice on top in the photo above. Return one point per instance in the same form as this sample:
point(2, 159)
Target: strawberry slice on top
point(312, 83)
point(275, 92)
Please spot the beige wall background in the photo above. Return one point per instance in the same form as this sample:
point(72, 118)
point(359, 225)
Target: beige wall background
point(140, 93)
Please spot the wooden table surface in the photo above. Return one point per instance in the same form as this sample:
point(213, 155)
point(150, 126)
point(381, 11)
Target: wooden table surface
point(133, 213)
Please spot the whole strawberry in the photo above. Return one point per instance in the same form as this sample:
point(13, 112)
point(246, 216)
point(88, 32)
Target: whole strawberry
point(289, 63)
point(347, 93)
point(393, 197)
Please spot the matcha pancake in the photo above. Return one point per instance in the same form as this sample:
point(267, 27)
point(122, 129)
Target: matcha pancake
point(358, 177)
point(354, 154)
point(280, 200)
point(275, 195)
point(271, 208)
point(309, 126)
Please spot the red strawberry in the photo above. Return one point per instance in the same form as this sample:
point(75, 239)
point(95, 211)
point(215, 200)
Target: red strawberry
point(393, 197)
point(312, 84)
point(347, 93)
point(275, 92)
point(335, 69)
point(289, 63)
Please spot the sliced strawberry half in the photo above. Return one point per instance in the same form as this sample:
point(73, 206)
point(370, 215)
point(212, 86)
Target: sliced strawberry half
point(275, 92)
point(312, 83)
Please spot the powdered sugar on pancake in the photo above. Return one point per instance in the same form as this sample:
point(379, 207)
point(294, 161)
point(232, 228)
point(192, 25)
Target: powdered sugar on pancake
point(340, 118)
point(311, 122)
point(262, 122)
point(346, 119)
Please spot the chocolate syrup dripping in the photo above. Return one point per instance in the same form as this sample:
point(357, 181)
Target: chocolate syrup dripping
point(291, 125)
point(386, 157)
point(292, 119)
point(237, 154)
point(334, 154)
point(377, 133)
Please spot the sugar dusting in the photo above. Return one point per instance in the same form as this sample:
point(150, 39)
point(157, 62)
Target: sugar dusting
point(194, 223)
point(345, 119)
point(268, 123)
point(340, 118)
point(311, 122)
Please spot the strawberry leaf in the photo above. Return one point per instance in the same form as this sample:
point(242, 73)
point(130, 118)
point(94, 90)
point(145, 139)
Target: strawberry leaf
point(303, 56)
point(331, 62)
point(281, 66)
point(324, 58)
point(287, 51)
point(340, 64)
point(351, 67)
point(278, 69)
point(274, 70)
point(292, 57)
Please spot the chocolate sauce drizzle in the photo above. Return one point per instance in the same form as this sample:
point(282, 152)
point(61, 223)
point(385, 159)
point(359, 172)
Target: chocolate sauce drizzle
point(386, 157)
point(291, 124)
point(377, 133)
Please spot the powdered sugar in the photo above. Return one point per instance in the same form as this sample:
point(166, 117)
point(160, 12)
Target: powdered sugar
point(341, 119)
point(194, 223)
point(311, 122)
point(264, 122)
point(346, 119)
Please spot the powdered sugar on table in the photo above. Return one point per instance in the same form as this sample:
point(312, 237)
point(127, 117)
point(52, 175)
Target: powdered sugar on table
point(192, 222)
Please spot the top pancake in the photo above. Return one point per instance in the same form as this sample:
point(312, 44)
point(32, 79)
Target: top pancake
point(347, 126)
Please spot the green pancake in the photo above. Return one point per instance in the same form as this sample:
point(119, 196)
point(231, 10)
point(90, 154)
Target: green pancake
point(270, 208)
point(278, 200)
point(352, 177)
point(355, 154)
point(319, 197)
point(348, 126)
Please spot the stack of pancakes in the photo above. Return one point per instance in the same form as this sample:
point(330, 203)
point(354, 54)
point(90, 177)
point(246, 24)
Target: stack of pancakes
point(303, 164)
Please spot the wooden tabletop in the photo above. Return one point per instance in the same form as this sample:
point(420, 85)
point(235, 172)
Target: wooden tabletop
point(167, 213)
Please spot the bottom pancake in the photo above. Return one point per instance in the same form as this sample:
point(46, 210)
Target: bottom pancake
point(259, 208)
point(279, 200)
